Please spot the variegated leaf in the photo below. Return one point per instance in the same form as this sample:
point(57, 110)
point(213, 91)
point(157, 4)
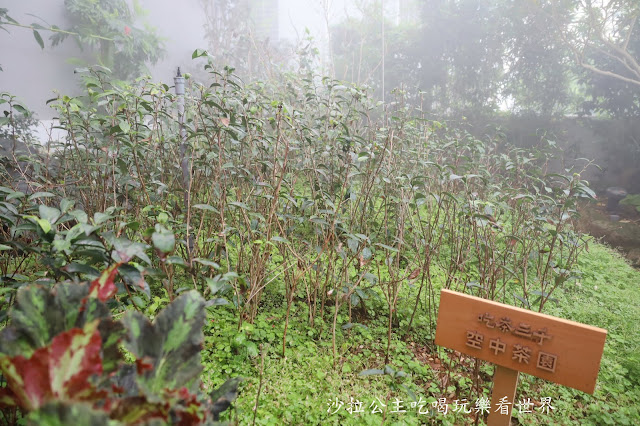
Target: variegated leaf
point(171, 344)
point(61, 371)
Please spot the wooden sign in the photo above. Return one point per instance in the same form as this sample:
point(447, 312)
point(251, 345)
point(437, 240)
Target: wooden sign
point(554, 349)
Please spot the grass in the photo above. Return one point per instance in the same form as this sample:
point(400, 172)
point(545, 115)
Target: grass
point(306, 387)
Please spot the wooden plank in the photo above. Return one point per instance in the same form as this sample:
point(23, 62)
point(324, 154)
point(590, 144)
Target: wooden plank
point(505, 381)
point(554, 349)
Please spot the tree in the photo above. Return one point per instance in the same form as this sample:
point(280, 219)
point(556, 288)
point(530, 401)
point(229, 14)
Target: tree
point(227, 28)
point(357, 50)
point(5, 20)
point(609, 95)
point(112, 30)
point(235, 41)
point(544, 57)
point(600, 27)
point(109, 27)
point(538, 69)
point(462, 54)
point(603, 39)
point(452, 56)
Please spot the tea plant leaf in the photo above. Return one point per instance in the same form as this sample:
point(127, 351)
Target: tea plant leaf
point(176, 260)
point(205, 207)
point(79, 268)
point(16, 194)
point(38, 38)
point(163, 239)
point(198, 53)
point(386, 247)
point(127, 250)
point(44, 224)
point(66, 205)
point(353, 245)
point(80, 216)
point(216, 302)
point(217, 285)
point(206, 262)
point(522, 300)
point(279, 239)
point(366, 253)
point(473, 284)
point(99, 218)
point(37, 195)
point(590, 193)
point(371, 372)
point(134, 278)
point(239, 204)
point(350, 325)
point(124, 126)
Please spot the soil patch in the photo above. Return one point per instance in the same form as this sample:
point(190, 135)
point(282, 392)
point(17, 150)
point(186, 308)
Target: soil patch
point(623, 234)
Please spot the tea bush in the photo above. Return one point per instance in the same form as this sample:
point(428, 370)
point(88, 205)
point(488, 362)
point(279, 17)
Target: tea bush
point(300, 195)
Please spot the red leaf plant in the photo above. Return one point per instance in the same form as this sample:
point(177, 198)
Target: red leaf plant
point(60, 371)
point(103, 287)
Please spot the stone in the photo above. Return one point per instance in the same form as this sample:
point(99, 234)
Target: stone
point(614, 195)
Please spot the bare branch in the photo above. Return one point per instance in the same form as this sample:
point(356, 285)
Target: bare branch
point(597, 29)
point(619, 59)
point(609, 74)
point(633, 23)
point(633, 65)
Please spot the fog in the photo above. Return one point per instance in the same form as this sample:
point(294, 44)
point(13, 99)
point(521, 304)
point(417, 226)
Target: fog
point(476, 62)
point(275, 192)
point(180, 25)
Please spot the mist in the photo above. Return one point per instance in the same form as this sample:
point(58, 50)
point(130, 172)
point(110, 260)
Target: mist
point(319, 212)
point(470, 61)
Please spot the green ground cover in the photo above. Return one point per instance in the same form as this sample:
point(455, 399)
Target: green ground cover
point(306, 388)
point(316, 232)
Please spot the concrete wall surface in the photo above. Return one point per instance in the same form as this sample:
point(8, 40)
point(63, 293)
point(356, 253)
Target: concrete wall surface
point(35, 75)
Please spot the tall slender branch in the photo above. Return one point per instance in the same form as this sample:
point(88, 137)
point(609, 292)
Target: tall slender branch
point(53, 29)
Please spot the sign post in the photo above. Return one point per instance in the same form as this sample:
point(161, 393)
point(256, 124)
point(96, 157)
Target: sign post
point(505, 381)
point(518, 340)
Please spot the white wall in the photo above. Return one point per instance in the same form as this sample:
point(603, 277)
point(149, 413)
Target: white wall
point(34, 75)
point(31, 73)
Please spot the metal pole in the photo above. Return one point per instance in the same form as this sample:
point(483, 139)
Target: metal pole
point(382, 16)
point(184, 159)
point(179, 87)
